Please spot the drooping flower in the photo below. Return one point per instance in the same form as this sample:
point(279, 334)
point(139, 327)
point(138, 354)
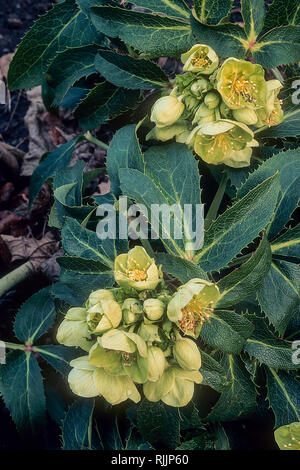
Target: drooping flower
point(74, 330)
point(166, 111)
point(136, 269)
point(223, 141)
point(192, 304)
point(156, 363)
point(179, 130)
point(104, 312)
point(272, 114)
point(242, 84)
point(187, 354)
point(200, 59)
point(154, 309)
point(132, 310)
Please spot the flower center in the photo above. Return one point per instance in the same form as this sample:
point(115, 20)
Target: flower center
point(193, 314)
point(127, 359)
point(241, 88)
point(201, 61)
point(136, 274)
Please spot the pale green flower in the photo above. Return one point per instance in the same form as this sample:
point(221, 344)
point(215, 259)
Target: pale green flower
point(136, 269)
point(81, 378)
point(154, 309)
point(242, 84)
point(212, 100)
point(132, 311)
point(104, 312)
point(200, 59)
point(187, 354)
point(192, 304)
point(166, 111)
point(272, 114)
point(74, 330)
point(179, 130)
point(245, 115)
point(149, 332)
point(288, 437)
point(156, 363)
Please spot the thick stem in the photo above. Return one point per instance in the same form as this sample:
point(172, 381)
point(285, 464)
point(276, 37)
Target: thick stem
point(214, 207)
point(22, 347)
point(95, 141)
point(14, 277)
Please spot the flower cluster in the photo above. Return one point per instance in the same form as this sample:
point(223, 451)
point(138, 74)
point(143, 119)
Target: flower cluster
point(212, 106)
point(139, 333)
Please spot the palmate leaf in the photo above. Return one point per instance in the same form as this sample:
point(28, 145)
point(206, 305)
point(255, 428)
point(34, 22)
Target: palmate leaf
point(60, 28)
point(212, 11)
point(105, 101)
point(279, 294)
point(288, 244)
point(246, 279)
point(176, 8)
point(282, 12)
point(287, 164)
point(23, 392)
point(128, 72)
point(253, 12)
point(58, 158)
point(239, 225)
point(227, 331)
point(35, 317)
point(222, 38)
point(267, 348)
point(77, 426)
point(239, 398)
point(124, 152)
point(153, 34)
point(68, 67)
point(171, 178)
point(283, 394)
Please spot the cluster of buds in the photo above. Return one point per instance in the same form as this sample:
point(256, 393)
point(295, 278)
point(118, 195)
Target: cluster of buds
point(214, 108)
point(139, 334)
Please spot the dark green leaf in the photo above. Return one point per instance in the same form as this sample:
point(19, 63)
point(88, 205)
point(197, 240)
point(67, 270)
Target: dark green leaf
point(253, 12)
point(77, 426)
point(176, 8)
point(279, 46)
point(239, 225)
point(288, 244)
point(213, 373)
point(153, 34)
point(283, 396)
point(23, 392)
point(58, 356)
point(279, 294)
point(246, 279)
point(212, 11)
point(282, 12)
point(180, 268)
point(35, 316)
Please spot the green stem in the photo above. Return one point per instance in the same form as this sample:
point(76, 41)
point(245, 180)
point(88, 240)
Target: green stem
point(14, 346)
point(14, 277)
point(278, 74)
point(95, 141)
point(214, 207)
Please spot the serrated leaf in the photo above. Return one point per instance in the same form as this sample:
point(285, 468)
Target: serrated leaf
point(283, 393)
point(279, 294)
point(128, 72)
point(213, 373)
point(35, 317)
point(70, 66)
point(153, 34)
point(287, 164)
point(246, 279)
point(282, 12)
point(124, 152)
point(64, 293)
point(104, 102)
point(239, 225)
point(176, 8)
point(212, 11)
point(226, 330)
point(279, 46)
point(58, 158)
point(222, 38)
point(267, 348)
point(159, 423)
point(135, 442)
point(180, 268)
point(253, 12)
point(201, 442)
point(58, 356)
point(171, 178)
point(239, 399)
point(62, 27)
point(23, 392)
point(288, 244)
point(77, 426)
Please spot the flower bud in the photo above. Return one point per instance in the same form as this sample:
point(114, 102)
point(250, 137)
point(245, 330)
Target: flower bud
point(190, 102)
point(104, 315)
point(187, 354)
point(98, 295)
point(211, 100)
point(156, 363)
point(178, 130)
point(132, 310)
point(245, 115)
point(203, 114)
point(74, 331)
point(199, 86)
point(154, 309)
point(166, 111)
